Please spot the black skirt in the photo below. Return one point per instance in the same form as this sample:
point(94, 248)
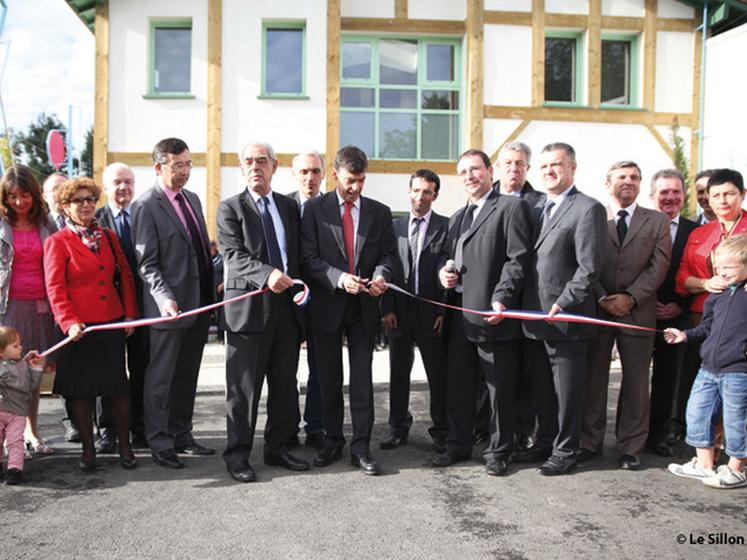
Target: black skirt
point(94, 366)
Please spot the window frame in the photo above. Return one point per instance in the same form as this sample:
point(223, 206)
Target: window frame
point(580, 70)
point(282, 24)
point(167, 23)
point(634, 101)
point(422, 83)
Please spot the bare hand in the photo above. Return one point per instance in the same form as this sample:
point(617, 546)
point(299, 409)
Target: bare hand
point(219, 288)
point(438, 324)
point(448, 278)
point(674, 336)
point(498, 307)
point(76, 331)
point(666, 311)
point(354, 284)
point(554, 310)
point(279, 281)
point(617, 305)
point(389, 321)
point(129, 331)
point(377, 286)
point(715, 285)
point(34, 359)
point(169, 309)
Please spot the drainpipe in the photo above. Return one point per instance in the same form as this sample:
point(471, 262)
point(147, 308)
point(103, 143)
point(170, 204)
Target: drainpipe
point(701, 109)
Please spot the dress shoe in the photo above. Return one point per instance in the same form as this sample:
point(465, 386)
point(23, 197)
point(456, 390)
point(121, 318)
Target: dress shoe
point(72, 434)
point(556, 465)
point(586, 455)
point(439, 444)
point(534, 454)
point(449, 458)
point(244, 473)
point(106, 444)
point(524, 441)
point(13, 477)
point(167, 458)
point(315, 441)
point(128, 463)
point(87, 465)
point(286, 460)
point(660, 448)
point(496, 467)
point(327, 455)
point(195, 448)
point(366, 464)
point(481, 436)
point(630, 462)
point(393, 441)
point(293, 442)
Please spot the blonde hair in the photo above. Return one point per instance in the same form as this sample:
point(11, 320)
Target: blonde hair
point(736, 245)
point(8, 335)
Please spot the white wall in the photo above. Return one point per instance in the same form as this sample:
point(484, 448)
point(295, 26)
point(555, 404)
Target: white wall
point(437, 9)
point(509, 5)
point(495, 132)
point(566, 6)
point(625, 8)
point(674, 72)
point(508, 65)
point(674, 9)
point(363, 8)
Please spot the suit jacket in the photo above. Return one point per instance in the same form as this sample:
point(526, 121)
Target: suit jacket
point(166, 260)
point(495, 255)
point(431, 255)
point(637, 267)
point(324, 259)
point(666, 292)
point(80, 283)
point(527, 192)
point(565, 263)
point(242, 238)
point(106, 219)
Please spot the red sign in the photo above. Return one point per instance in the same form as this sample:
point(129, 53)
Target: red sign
point(56, 148)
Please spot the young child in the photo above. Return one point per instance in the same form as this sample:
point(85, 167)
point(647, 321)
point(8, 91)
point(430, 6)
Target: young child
point(721, 384)
point(18, 379)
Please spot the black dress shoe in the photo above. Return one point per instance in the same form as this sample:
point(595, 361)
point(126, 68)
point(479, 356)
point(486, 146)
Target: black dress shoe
point(72, 434)
point(366, 464)
point(393, 441)
point(556, 465)
point(128, 463)
point(327, 455)
point(195, 448)
point(660, 448)
point(481, 436)
point(534, 454)
point(286, 460)
point(586, 455)
point(167, 458)
point(13, 477)
point(439, 444)
point(293, 442)
point(315, 441)
point(106, 444)
point(244, 473)
point(630, 462)
point(496, 467)
point(86, 466)
point(450, 458)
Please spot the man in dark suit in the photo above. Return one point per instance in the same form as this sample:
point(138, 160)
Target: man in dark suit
point(173, 256)
point(308, 172)
point(635, 260)
point(259, 234)
point(420, 243)
point(119, 184)
point(568, 229)
point(348, 257)
point(489, 242)
point(701, 193)
point(672, 310)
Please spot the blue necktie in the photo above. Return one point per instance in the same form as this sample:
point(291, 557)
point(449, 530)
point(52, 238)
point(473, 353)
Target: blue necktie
point(125, 235)
point(271, 238)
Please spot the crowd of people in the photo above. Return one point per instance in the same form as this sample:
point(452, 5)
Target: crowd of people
point(533, 391)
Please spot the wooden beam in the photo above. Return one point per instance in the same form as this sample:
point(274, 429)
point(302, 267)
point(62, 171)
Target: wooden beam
point(475, 69)
point(145, 159)
point(538, 52)
point(213, 156)
point(574, 21)
point(675, 24)
point(662, 142)
point(585, 114)
point(333, 85)
point(400, 9)
point(510, 138)
point(431, 26)
point(508, 18)
point(694, 123)
point(594, 54)
point(622, 23)
point(649, 55)
point(408, 167)
point(101, 95)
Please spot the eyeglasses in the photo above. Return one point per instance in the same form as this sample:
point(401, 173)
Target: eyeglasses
point(179, 166)
point(83, 199)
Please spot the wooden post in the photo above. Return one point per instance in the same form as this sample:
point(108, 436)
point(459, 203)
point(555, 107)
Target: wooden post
point(333, 85)
point(475, 68)
point(649, 55)
point(594, 54)
point(213, 155)
point(538, 53)
point(101, 110)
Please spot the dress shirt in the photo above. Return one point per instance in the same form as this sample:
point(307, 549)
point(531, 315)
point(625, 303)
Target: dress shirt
point(303, 200)
point(355, 211)
point(423, 228)
point(276, 221)
point(171, 196)
point(630, 210)
point(558, 200)
point(116, 211)
point(674, 224)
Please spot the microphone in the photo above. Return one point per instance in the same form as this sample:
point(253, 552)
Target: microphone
point(450, 266)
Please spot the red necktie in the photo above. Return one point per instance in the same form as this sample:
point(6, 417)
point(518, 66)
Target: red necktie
point(348, 232)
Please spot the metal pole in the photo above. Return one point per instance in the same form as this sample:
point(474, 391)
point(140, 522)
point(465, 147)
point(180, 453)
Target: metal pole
point(701, 109)
point(69, 141)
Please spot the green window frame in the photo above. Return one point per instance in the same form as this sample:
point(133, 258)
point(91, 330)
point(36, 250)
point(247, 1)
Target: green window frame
point(409, 113)
point(295, 69)
point(631, 95)
point(154, 79)
point(576, 81)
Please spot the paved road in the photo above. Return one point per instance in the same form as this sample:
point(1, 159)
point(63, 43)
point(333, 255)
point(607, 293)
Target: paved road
point(412, 512)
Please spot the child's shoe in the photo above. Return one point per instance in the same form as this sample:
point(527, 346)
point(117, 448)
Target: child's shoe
point(13, 477)
point(726, 478)
point(690, 470)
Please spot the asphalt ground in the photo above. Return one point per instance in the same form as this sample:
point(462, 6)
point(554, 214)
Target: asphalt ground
point(412, 511)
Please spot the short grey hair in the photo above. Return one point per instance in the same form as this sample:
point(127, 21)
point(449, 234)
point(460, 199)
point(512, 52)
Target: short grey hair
point(516, 146)
point(667, 174)
point(313, 153)
point(567, 148)
point(265, 145)
point(106, 176)
point(623, 165)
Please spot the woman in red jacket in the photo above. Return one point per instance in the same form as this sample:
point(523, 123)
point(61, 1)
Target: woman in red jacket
point(80, 262)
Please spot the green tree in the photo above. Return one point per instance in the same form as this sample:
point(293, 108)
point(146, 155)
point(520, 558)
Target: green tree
point(30, 147)
point(86, 156)
point(682, 164)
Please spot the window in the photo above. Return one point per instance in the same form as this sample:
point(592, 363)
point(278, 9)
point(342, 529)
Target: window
point(283, 70)
point(171, 59)
point(399, 97)
point(618, 70)
point(563, 69)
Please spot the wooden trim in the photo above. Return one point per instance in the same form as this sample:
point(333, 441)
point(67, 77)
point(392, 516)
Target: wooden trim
point(538, 52)
point(662, 142)
point(575, 21)
point(408, 167)
point(430, 26)
point(580, 21)
point(649, 55)
point(675, 24)
point(694, 122)
point(333, 85)
point(400, 9)
point(213, 156)
point(508, 18)
point(511, 137)
point(101, 110)
point(622, 23)
point(594, 54)
point(586, 114)
point(475, 69)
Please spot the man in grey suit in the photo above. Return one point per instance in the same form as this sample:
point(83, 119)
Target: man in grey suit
point(489, 242)
point(173, 255)
point(308, 172)
point(566, 261)
point(258, 232)
point(635, 259)
point(421, 236)
point(348, 257)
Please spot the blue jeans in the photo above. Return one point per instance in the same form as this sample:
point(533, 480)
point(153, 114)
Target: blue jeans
point(711, 395)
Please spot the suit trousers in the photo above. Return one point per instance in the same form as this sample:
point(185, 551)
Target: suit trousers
point(668, 362)
point(401, 357)
point(251, 358)
point(171, 382)
point(558, 376)
point(468, 363)
point(633, 404)
point(329, 364)
point(313, 413)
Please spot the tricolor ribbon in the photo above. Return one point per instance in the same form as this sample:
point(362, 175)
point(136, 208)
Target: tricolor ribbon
point(300, 298)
